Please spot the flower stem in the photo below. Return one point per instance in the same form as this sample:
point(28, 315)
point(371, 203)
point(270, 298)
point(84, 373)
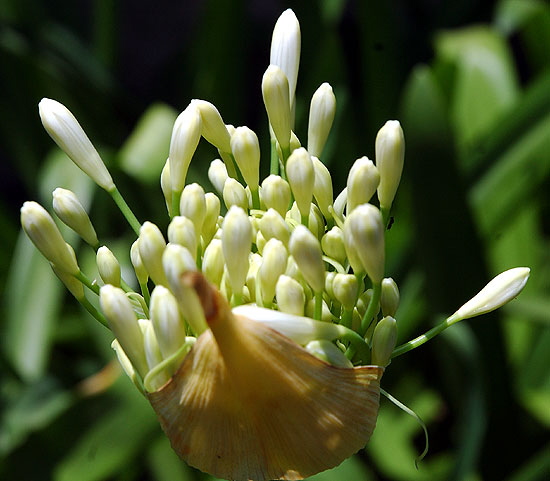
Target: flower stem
point(372, 308)
point(125, 209)
point(414, 343)
point(93, 311)
point(87, 282)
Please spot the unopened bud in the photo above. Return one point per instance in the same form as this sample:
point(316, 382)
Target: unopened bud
point(166, 186)
point(389, 299)
point(275, 92)
point(167, 321)
point(210, 225)
point(212, 125)
point(321, 115)
point(383, 341)
point(332, 244)
point(322, 187)
point(182, 231)
point(301, 177)
point(141, 272)
point(236, 243)
point(217, 174)
point(193, 205)
point(272, 225)
point(275, 194)
point(363, 179)
point(246, 150)
point(390, 155)
point(69, 209)
point(275, 257)
point(234, 194)
point(328, 352)
point(151, 247)
point(345, 290)
point(213, 262)
point(306, 250)
point(290, 296)
point(108, 266)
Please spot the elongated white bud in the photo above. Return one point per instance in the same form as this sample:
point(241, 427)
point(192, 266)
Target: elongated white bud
point(275, 257)
point(108, 266)
point(213, 263)
point(166, 186)
point(69, 209)
point(151, 247)
point(182, 231)
point(389, 299)
point(246, 150)
point(236, 243)
point(321, 115)
point(275, 194)
point(301, 177)
point(193, 205)
point(390, 155)
point(74, 286)
point(275, 92)
point(67, 133)
point(234, 194)
point(500, 290)
point(273, 225)
point(141, 272)
point(290, 295)
point(383, 341)
point(363, 180)
point(217, 174)
point(306, 250)
point(332, 244)
point(167, 321)
point(212, 126)
point(345, 289)
point(322, 187)
point(210, 225)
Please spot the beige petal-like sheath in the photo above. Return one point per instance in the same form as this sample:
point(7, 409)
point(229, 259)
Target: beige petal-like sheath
point(248, 403)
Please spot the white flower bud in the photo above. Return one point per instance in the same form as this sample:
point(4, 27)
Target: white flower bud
point(74, 286)
point(275, 194)
point(328, 352)
point(275, 257)
point(275, 92)
point(193, 205)
point(364, 237)
point(290, 296)
point(213, 262)
point(108, 266)
point(389, 299)
point(272, 225)
point(236, 243)
point(306, 250)
point(124, 324)
point(67, 133)
point(185, 138)
point(322, 187)
point(383, 341)
point(212, 125)
point(363, 180)
point(321, 115)
point(182, 231)
point(301, 177)
point(285, 49)
point(234, 194)
point(340, 203)
point(150, 344)
point(332, 244)
point(500, 290)
point(246, 150)
point(151, 247)
point(167, 321)
point(390, 155)
point(43, 232)
point(166, 186)
point(345, 289)
point(141, 272)
point(210, 225)
point(69, 209)
point(217, 174)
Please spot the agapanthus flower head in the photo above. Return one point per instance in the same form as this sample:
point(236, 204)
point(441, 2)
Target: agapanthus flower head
point(270, 322)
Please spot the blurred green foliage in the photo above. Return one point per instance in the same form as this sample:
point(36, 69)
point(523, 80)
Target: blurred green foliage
point(471, 86)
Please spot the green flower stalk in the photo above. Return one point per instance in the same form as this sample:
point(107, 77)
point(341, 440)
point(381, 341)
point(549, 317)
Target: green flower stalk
point(288, 285)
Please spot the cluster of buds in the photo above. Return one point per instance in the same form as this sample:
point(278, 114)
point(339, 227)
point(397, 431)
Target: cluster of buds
point(253, 271)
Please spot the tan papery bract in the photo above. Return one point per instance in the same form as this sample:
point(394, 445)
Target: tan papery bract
point(248, 403)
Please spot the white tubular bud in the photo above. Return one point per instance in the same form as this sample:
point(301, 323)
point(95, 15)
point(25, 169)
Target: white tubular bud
point(340, 203)
point(193, 205)
point(345, 289)
point(141, 272)
point(167, 321)
point(74, 286)
point(275, 257)
point(151, 247)
point(212, 125)
point(306, 250)
point(246, 150)
point(321, 115)
point(285, 49)
point(329, 281)
point(328, 352)
point(332, 244)
point(213, 263)
point(500, 290)
point(322, 187)
point(185, 138)
point(176, 260)
point(69, 209)
point(44, 234)
point(363, 180)
point(272, 225)
point(124, 324)
point(234, 194)
point(217, 174)
point(210, 225)
point(390, 155)
point(108, 266)
point(364, 238)
point(166, 186)
point(275, 93)
point(182, 231)
point(383, 341)
point(290, 296)
point(67, 133)
point(150, 343)
point(275, 194)
point(236, 243)
point(389, 299)
point(301, 177)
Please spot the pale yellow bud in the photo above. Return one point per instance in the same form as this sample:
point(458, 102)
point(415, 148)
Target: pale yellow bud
point(151, 247)
point(363, 180)
point(329, 281)
point(150, 344)
point(389, 299)
point(301, 177)
point(275, 194)
point(234, 194)
point(193, 205)
point(383, 341)
point(275, 92)
point(69, 209)
point(108, 266)
point(212, 125)
point(328, 352)
point(213, 262)
point(340, 203)
point(332, 244)
point(185, 138)
point(67, 133)
point(124, 324)
point(260, 241)
point(166, 186)
point(182, 231)
point(345, 289)
point(140, 270)
point(210, 225)
point(290, 296)
point(236, 243)
point(275, 257)
point(390, 155)
point(321, 115)
point(364, 237)
point(217, 174)
point(167, 321)
point(272, 225)
point(43, 232)
point(322, 187)
point(306, 250)
point(246, 150)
